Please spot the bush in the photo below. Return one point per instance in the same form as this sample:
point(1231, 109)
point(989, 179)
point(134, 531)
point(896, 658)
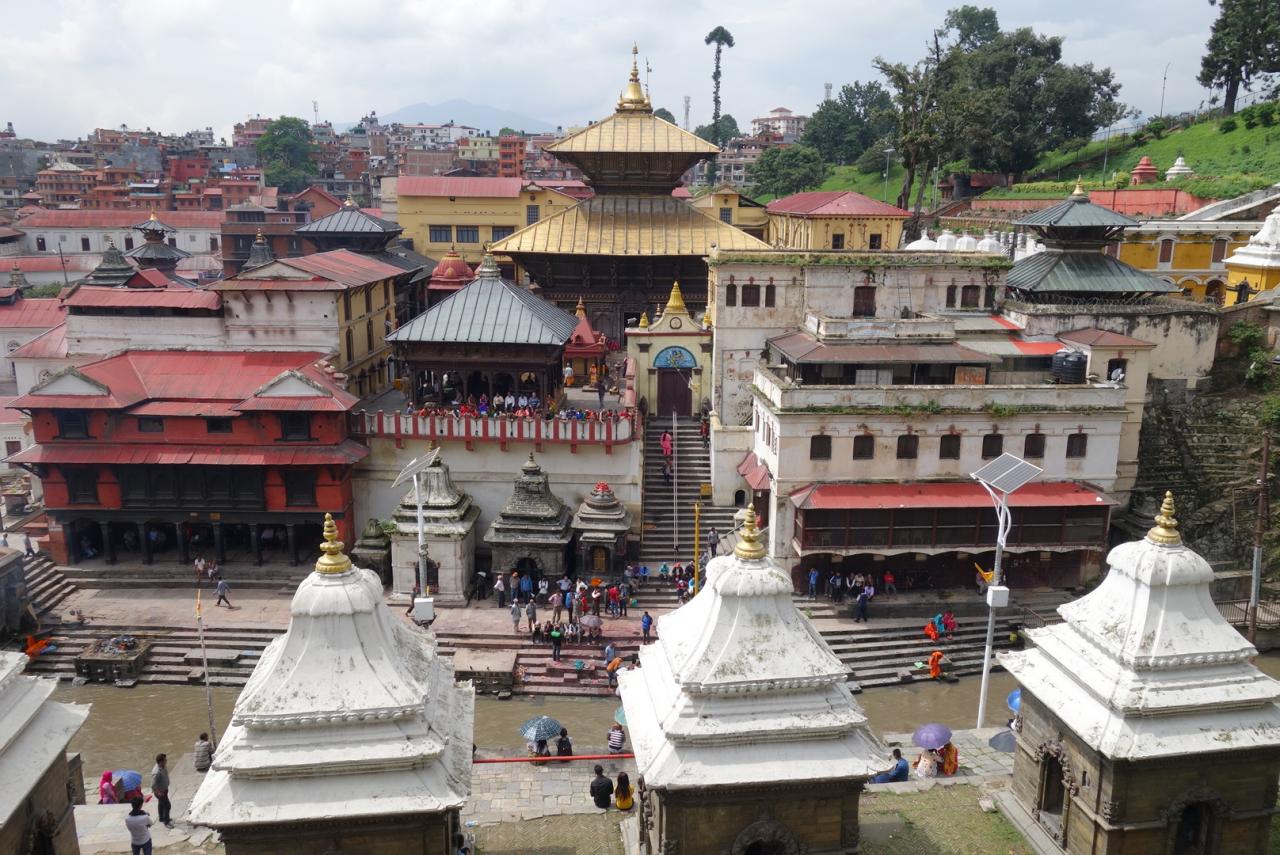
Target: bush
point(1227, 125)
point(1249, 115)
point(1266, 114)
point(1222, 186)
point(1246, 335)
point(1260, 372)
point(1156, 128)
point(1269, 412)
point(871, 161)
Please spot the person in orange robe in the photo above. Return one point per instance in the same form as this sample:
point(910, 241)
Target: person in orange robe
point(935, 664)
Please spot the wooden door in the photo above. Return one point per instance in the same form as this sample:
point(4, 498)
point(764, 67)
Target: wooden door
point(674, 395)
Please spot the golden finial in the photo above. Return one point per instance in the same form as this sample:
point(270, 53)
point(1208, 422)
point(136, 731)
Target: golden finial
point(351, 201)
point(261, 238)
point(749, 547)
point(675, 302)
point(152, 218)
point(1165, 531)
point(644, 320)
point(334, 560)
point(633, 97)
point(581, 309)
point(1078, 193)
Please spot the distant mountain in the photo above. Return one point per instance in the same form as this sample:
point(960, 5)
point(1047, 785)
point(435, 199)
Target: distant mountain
point(462, 112)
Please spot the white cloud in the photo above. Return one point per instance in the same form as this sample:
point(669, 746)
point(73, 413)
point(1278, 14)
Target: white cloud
point(68, 66)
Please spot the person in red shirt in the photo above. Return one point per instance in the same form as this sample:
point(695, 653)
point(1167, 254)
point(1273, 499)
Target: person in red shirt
point(613, 600)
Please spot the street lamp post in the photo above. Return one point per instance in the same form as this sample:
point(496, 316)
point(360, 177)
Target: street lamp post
point(888, 153)
point(1000, 478)
point(1163, 80)
point(413, 469)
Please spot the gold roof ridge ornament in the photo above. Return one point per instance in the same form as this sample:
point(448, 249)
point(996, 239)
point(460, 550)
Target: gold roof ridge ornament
point(1165, 531)
point(1079, 193)
point(644, 320)
point(261, 238)
point(488, 268)
point(633, 97)
point(749, 547)
point(333, 560)
point(675, 301)
point(580, 310)
point(350, 201)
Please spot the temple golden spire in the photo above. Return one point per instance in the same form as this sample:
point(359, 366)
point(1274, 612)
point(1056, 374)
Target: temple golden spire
point(261, 238)
point(333, 560)
point(153, 217)
point(1165, 531)
point(581, 310)
point(644, 320)
point(675, 301)
point(350, 202)
point(749, 547)
point(633, 97)
point(1079, 191)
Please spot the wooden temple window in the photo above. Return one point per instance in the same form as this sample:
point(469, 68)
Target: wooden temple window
point(992, 446)
point(864, 301)
point(864, 447)
point(1077, 445)
point(820, 447)
point(1033, 446)
point(299, 488)
point(949, 447)
point(969, 296)
point(770, 295)
point(731, 294)
point(873, 241)
point(951, 296)
point(73, 424)
point(82, 485)
point(751, 294)
point(295, 427)
point(908, 446)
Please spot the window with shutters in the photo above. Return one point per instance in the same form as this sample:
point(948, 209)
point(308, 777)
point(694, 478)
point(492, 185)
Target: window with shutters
point(908, 446)
point(1166, 251)
point(949, 447)
point(864, 301)
point(864, 447)
point(770, 295)
point(819, 447)
point(731, 294)
point(1077, 445)
point(992, 446)
point(1219, 250)
point(1033, 446)
point(751, 294)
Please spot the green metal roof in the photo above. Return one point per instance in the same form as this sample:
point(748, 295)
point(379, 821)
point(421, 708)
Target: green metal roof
point(1082, 272)
point(490, 310)
point(1076, 212)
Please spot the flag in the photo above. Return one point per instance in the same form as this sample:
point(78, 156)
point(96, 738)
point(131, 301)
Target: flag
point(198, 604)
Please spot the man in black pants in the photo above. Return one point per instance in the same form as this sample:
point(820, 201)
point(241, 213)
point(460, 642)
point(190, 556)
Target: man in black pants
point(601, 789)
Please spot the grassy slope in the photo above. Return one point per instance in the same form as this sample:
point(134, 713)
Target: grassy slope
point(848, 178)
point(1207, 151)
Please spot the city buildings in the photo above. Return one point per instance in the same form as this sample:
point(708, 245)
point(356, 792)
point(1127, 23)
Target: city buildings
point(72, 232)
point(834, 219)
point(727, 203)
point(780, 122)
point(168, 453)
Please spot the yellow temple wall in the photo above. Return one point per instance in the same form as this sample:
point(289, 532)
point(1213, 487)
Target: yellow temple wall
point(799, 232)
point(418, 213)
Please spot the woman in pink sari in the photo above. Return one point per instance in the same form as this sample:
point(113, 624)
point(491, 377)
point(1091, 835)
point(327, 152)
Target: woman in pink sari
point(106, 790)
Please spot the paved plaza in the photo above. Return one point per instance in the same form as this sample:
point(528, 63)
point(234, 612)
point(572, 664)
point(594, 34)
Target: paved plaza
point(510, 792)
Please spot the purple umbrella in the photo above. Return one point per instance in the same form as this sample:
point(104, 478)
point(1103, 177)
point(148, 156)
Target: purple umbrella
point(931, 736)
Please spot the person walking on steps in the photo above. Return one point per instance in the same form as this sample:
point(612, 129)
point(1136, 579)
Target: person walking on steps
point(646, 624)
point(515, 615)
point(713, 541)
point(668, 444)
point(222, 590)
point(860, 613)
point(26, 545)
point(531, 612)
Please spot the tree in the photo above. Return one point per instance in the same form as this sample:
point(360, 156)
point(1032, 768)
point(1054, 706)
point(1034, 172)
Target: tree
point(728, 130)
point(1243, 45)
point(920, 122)
point(285, 150)
point(841, 129)
point(721, 38)
point(783, 170)
point(507, 132)
point(664, 114)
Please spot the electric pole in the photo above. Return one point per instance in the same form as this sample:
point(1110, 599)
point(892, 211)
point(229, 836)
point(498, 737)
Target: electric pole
point(1264, 488)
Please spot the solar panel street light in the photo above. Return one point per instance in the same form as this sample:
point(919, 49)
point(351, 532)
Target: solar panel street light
point(1001, 477)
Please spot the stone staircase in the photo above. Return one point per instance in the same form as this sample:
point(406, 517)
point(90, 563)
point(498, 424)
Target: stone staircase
point(693, 462)
point(98, 575)
point(879, 655)
point(46, 584)
point(536, 673)
point(174, 655)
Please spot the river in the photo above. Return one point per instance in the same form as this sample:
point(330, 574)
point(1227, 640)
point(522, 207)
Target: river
point(128, 727)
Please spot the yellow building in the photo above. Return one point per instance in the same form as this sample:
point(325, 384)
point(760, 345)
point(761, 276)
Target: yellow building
point(439, 212)
point(1255, 266)
point(836, 219)
point(728, 205)
point(1190, 254)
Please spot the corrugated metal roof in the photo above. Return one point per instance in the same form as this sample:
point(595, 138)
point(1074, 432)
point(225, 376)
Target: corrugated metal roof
point(1102, 338)
point(1082, 272)
point(1077, 211)
point(80, 219)
point(834, 203)
point(51, 344)
point(160, 298)
point(631, 132)
point(943, 495)
point(344, 453)
point(628, 225)
point(342, 267)
point(32, 312)
point(804, 349)
point(490, 311)
point(206, 409)
point(755, 472)
point(350, 221)
point(421, 185)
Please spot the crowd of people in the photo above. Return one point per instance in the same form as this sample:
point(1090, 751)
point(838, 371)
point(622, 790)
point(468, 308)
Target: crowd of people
point(524, 407)
point(929, 763)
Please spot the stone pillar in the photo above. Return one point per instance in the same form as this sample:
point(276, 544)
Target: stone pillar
point(108, 548)
point(219, 544)
point(184, 548)
point(292, 529)
point(146, 544)
point(255, 539)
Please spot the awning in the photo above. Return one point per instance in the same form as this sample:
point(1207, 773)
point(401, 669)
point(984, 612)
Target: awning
point(955, 494)
point(803, 349)
point(345, 453)
point(756, 473)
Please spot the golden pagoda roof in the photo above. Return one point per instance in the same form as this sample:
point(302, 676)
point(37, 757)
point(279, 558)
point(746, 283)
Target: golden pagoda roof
point(632, 132)
point(628, 225)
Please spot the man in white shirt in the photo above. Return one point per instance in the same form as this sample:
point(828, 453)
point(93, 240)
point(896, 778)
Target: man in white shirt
point(139, 824)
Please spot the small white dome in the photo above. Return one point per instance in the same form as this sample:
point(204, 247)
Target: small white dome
point(989, 244)
point(922, 242)
point(966, 243)
point(946, 240)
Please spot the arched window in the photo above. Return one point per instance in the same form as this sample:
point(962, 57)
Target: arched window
point(908, 446)
point(731, 294)
point(864, 447)
point(1077, 445)
point(949, 447)
point(951, 296)
point(1033, 446)
point(770, 295)
point(969, 296)
point(992, 446)
point(1166, 251)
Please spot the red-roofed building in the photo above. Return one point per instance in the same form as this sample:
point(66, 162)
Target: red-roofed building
point(166, 454)
point(25, 318)
point(836, 219)
point(73, 232)
point(15, 432)
point(339, 301)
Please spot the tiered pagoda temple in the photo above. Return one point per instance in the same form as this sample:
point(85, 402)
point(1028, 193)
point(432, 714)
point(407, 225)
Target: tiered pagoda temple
point(532, 533)
point(620, 250)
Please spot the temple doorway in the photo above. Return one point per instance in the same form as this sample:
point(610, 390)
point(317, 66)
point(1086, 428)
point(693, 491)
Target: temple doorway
point(1192, 836)
point(1052, 793)
point(674, 394)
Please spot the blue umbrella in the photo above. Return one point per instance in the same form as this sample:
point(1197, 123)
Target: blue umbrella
point(542, 727)
point(1014, 701)
point(931, 736)
point(127, 778)
point(621, 716)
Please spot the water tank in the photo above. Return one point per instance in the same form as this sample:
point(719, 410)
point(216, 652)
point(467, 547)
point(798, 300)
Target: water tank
point(1069, 367)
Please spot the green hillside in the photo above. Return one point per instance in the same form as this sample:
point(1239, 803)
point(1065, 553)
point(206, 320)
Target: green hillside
point(848, 178)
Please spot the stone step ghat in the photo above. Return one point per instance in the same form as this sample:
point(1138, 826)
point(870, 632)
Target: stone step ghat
point(46, 585)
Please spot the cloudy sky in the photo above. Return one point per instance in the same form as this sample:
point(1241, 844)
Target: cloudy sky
point(67, 66)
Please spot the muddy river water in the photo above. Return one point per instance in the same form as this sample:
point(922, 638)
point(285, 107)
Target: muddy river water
point(127, 727)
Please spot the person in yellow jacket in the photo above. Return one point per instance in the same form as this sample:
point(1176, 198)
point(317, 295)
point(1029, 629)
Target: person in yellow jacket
point(623, 795)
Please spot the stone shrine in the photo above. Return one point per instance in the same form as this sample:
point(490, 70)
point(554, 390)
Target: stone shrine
point(350, 736)
point(373, 550)
point(449, 522)
point(601, 524)
point(747, 738)
point(39, 785)
point(1145, 726)
point(532, 533)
